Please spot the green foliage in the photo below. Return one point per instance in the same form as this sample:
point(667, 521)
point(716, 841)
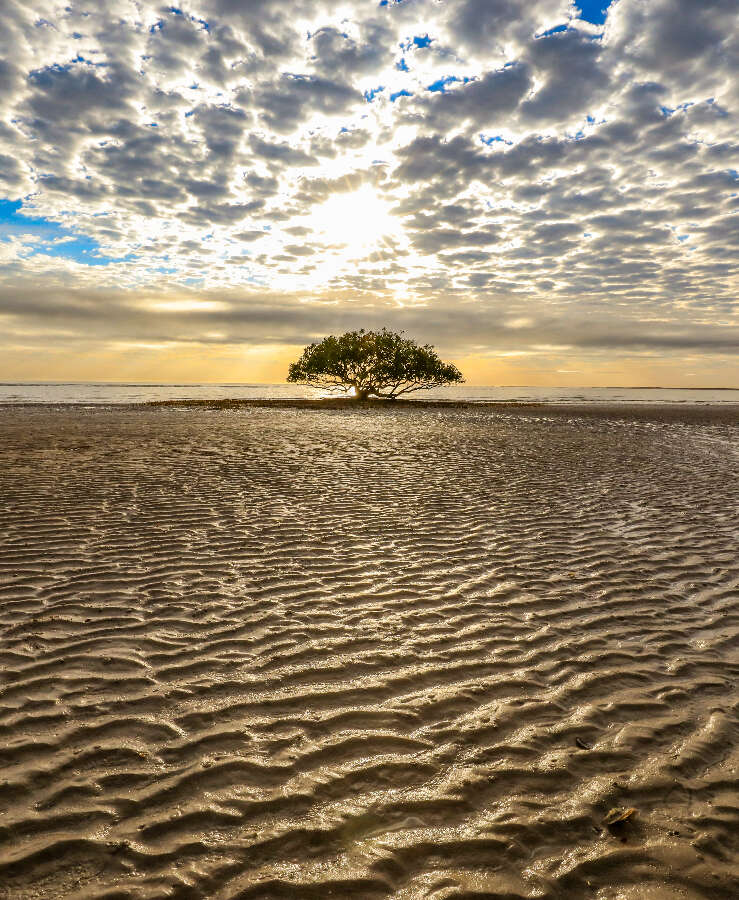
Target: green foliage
point(373, 363)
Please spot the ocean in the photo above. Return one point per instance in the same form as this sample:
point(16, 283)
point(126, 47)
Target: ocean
point(114, 393)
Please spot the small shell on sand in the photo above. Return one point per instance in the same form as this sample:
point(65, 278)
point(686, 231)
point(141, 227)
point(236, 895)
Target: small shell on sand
point(618, 815)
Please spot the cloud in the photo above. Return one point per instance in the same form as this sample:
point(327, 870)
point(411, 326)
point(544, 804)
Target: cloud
point(286, 318)
point(690, 47)
point(568, 63)
point(287, 102)
point(481, 103)
point(335, 50)
point(486, 26)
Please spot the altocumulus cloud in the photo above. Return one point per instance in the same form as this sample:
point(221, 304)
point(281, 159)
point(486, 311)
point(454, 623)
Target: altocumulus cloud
point(263, 172)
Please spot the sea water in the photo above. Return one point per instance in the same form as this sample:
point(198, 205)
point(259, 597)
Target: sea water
point(112, 393)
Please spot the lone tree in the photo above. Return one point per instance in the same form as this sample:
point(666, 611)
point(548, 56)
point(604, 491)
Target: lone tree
point(373, 363)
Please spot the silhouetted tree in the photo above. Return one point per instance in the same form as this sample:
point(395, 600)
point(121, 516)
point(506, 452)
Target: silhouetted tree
point(373, 363)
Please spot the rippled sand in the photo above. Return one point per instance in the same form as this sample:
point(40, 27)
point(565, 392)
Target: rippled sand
point(397, 653)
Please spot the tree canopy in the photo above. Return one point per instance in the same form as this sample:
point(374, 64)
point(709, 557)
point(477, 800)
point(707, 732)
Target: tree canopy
point(373, 363)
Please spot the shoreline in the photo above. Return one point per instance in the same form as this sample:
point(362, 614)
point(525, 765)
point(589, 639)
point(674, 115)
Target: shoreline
point(633, 410)
point(625, 410)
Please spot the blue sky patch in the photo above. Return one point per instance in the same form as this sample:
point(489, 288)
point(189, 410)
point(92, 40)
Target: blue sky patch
point(370, 95)
point(403, 93)
point(50, 238)
point(558, 29)
point(667, 111)
point(594, 11)
point(420, 41)
point(441, 84)
point(494, 139)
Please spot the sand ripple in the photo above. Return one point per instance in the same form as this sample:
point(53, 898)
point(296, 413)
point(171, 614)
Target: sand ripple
point(410, 654)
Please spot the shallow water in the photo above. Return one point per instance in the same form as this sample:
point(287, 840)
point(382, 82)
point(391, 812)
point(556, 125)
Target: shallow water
point(311, 654)
point(111, 393)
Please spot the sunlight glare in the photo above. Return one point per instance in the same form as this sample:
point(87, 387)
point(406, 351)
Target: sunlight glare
point(358, 221)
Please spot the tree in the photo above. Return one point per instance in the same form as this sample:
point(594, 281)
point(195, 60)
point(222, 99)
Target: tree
point(378, 363)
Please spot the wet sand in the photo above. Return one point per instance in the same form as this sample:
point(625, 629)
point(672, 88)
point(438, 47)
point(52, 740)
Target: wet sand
point(267, 652)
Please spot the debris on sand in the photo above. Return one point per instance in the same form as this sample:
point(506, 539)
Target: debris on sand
point(618, 815)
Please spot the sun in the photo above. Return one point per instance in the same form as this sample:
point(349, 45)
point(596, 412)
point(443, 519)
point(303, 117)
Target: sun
point(357, 222)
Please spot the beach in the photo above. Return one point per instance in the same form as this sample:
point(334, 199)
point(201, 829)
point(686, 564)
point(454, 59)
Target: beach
point(260, 651)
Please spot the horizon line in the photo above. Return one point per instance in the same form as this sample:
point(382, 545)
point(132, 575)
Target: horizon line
point(605, 387)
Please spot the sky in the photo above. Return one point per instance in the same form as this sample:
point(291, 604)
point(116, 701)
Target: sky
point(545, 190)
